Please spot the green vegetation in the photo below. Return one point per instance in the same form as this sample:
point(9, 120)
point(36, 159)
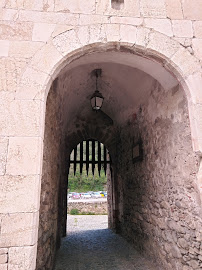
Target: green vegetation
point(74, 211)
point(83, 183)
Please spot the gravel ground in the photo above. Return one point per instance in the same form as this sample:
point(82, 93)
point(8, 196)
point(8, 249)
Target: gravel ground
point(90, 245)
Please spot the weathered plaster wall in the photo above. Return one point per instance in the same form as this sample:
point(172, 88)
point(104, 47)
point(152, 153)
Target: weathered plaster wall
point(160, 205)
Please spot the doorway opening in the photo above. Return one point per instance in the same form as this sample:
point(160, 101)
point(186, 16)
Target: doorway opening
point(89, 189)
point(147, 104)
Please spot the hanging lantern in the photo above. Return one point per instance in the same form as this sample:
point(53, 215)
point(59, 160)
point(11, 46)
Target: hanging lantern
point(97, 98)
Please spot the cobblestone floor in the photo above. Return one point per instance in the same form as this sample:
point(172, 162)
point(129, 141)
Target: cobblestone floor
point(91, 246)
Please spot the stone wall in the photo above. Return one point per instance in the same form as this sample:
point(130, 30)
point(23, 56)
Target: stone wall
point(52, 176)
point(179, 19)
point(3, 257)
point(97, 208)
point(160, 205)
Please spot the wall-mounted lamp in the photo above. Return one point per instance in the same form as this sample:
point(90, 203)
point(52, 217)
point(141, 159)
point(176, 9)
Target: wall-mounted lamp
point(97, 98)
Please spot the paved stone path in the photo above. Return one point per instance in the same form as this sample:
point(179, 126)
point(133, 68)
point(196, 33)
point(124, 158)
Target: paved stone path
point(91, 246)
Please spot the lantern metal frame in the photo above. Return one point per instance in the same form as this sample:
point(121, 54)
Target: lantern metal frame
point(97, 96)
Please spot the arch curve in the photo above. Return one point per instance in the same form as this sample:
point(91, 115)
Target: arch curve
point(65, 49)
point(150, 45)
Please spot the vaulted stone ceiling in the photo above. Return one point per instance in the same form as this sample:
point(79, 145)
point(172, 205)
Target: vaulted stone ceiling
point(126, 82)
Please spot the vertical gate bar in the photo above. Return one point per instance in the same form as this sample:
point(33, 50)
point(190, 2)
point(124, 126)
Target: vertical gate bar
point(105, 160)
point(99, 157)
point(75, 159)
point(81, 157)
point(87, 156)
point(93, 156)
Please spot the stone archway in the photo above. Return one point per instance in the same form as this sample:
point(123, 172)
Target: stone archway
point(42, 71)
point(156, 110)
point(65, 47)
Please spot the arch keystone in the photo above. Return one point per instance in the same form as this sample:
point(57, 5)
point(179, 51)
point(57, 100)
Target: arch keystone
point(128, 33)
point(97, 33)
point(113, 32)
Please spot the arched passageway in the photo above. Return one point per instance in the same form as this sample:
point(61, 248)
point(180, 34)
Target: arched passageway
point(157, 203)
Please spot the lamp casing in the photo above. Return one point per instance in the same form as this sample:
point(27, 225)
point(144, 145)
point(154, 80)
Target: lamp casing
point(96, 100)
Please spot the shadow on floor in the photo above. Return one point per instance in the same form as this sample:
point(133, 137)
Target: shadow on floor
point(99, 250)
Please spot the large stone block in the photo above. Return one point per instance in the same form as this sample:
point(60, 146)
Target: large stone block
point(112, 32)
point(128, 33)
point(11, 70)
point(75, 6)
point(66, 42)
point(161, 25)
point(182, 28)
point(192, 9)
point(83, 35)
point(4, 266)
point(3, 258)
point(61, 28)
point(155, 9)
point(194, 83)
point(48, 17)
point(142, 36)
point(188, 67)
point(126, 20)
point(174, 9)
point(3, 154)
point(25, 49)
point(162, 44)
point(103, 7)
point(8, 14)
point(195, 135)
point(19, 229)
point(21, 117)
point(42, 31)
point(98, 33)
point(19, 193)
point(22, 258)
point(31, 5)
point(4, 47)
point(3, 251)
point(197, 47)
point(24, 156)
point(197, 29)
point(32, 84)
point(16, 30)
point(198, 118)
point(47, 58)
point(92, 19)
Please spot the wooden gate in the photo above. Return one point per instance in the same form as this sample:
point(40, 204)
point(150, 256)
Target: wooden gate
point(88, 153)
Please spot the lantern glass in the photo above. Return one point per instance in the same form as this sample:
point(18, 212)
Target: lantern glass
point(96, 101)
point(93, 102)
